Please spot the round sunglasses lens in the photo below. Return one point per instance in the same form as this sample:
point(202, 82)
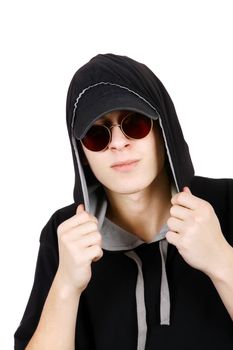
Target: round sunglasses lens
point(136, 126)
point(97, 138)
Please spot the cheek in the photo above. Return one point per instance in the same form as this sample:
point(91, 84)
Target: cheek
point(95, 161)
point(96, 168)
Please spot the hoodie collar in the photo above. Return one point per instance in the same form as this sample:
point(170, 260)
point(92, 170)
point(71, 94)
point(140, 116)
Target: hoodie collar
point(115, 238)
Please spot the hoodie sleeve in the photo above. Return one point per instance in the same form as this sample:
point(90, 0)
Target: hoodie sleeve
point(46, 267)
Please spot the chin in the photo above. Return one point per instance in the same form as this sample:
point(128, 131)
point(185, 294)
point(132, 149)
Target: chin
point(129, 187)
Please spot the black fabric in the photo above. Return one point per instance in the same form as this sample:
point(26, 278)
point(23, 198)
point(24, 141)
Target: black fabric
point(107, 315)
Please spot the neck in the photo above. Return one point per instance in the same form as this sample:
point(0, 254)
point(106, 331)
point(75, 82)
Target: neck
point(142, 213)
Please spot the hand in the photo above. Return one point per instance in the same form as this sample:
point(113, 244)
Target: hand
point(195, 231)
point(79, 244)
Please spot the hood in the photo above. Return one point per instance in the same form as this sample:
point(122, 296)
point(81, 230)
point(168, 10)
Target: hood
point(129, 74)
point(110, 77)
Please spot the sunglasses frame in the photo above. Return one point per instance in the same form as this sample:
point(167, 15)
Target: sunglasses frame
point(122, 130)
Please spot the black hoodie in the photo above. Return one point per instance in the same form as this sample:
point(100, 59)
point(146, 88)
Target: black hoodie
point(141, 295)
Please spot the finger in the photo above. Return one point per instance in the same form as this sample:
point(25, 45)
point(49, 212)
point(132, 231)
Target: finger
point(80, 209)
point(76, 233)
point(97, 258)
point(175, 224)
point(94, 253)
point(186, 199)
point(77, 220)
point(179, 212)
point(172, 237)
point(186, 189)
point(91, 239)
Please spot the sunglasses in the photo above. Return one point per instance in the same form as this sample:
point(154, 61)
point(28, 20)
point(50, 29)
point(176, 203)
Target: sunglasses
point(134, 126)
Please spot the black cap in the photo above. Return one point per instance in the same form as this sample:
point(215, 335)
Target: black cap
point(104, 98)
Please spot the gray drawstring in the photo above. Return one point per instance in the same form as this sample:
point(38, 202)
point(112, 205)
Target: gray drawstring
point(164, 291)
point(140, 300)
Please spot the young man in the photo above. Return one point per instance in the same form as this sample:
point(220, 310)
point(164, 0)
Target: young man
point(143, 258)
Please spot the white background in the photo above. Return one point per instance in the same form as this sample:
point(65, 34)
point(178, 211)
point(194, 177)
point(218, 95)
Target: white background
point(188, 45)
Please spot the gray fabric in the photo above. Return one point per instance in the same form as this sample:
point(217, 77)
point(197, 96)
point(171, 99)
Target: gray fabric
point(140, 300)
point(164, 289)
point(115, 238)
point(82, 176)
point(98, 203)
point(169, 155)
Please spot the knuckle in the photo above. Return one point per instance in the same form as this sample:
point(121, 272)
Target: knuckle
point(169, 222)
point(98, 250)
point(197, 218)
point(98, 237)
point(92, 226)
point(180, 196)
point(82, 217)
point(172, 210)
point(85, 216)
point(208, 209)
point(93, 218)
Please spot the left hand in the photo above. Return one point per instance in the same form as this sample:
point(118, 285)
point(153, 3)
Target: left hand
point(195, 231)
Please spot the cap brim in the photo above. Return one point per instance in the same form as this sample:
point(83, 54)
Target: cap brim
point(103, 99)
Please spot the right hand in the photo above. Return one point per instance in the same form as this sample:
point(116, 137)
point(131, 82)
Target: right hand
point(79, 243)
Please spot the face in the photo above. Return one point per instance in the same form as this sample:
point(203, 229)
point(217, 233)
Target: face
point(127, 166)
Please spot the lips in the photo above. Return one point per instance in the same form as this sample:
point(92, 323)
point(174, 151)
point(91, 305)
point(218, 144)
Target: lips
point(125, 165)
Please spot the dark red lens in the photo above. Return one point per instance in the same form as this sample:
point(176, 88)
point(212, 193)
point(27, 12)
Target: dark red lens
point(97, 138)
point(133, 125)
point(136, 126)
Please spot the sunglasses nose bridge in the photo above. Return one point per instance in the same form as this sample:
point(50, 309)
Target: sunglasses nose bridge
point(111, 131)
point(117, 138)
point(113, 126)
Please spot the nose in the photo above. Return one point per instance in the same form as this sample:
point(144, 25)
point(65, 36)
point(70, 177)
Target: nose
point(118, 139)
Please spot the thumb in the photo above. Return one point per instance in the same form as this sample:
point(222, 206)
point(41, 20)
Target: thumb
point(186, 189)
point(80, 209)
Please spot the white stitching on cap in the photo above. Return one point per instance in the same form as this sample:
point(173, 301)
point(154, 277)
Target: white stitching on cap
point(107, 83)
